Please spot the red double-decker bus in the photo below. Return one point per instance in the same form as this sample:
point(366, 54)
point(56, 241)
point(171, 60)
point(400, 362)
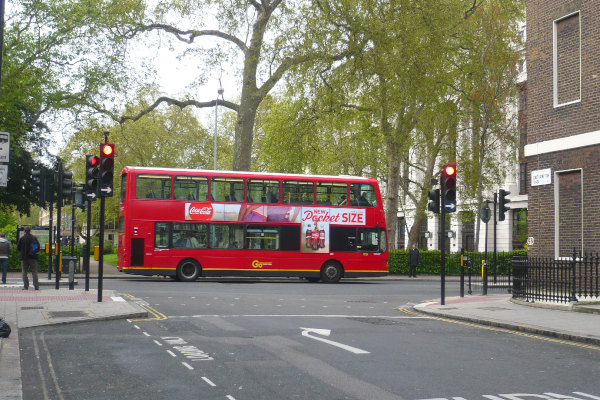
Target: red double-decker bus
point(189, 223)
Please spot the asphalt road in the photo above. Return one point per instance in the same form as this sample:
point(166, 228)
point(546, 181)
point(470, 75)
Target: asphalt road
point(287, 339)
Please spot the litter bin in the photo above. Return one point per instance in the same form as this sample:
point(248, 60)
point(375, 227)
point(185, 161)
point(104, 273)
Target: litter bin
point(68, 267)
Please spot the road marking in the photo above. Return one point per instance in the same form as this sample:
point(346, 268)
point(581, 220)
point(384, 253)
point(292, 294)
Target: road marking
point(326, 332)
point(171, 353)
point(146, 334)
point(136, 327)
point(524, 396)
point(156, 315)
point(208, 381)
point(414, 316)
point(230, 397)
point(158, 343)
point(188, 366)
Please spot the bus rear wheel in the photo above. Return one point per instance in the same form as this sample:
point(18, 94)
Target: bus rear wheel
point(188, 270)
point(331, 272)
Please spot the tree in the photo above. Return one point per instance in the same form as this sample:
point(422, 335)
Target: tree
point(268, 37)
point(56, 59)
point(486, 89)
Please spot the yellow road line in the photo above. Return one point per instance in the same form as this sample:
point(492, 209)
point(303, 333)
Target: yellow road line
point(504, 330)
point(156, 315)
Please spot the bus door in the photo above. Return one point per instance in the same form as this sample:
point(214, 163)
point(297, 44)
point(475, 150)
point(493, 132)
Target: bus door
point(159, 254)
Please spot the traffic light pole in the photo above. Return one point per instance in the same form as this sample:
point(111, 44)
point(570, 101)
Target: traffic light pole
point(58, 223)
point(443, 251)
point(88, 241)
point(101, 255)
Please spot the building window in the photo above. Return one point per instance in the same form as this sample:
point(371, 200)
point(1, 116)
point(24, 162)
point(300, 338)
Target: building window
point(523, 178)
point(567, 59)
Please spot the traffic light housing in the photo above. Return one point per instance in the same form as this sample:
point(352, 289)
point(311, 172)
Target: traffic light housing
point(502, 201)
point(92, 170)
point(448, 187)
point(39, 184)
point(434, 201)
point(65, 186)
point(107, 167)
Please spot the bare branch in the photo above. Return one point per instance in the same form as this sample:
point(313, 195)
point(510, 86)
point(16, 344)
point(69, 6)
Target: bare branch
point(187, 36)
point(169, 101)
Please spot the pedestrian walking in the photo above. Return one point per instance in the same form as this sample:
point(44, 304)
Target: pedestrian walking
point(5, 249)
point(413, 261)
point(29, 247)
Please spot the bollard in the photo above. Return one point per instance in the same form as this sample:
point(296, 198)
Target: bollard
point(68, 266)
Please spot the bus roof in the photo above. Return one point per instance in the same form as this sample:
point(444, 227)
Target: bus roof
point(265, 175)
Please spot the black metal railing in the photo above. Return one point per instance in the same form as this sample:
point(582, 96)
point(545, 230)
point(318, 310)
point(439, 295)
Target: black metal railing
point(498, 273)
point(564, 280)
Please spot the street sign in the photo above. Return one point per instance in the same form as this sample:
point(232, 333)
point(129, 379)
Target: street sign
point(485, 214)
point(450, 206)
point(106, 191)
point(91, 194)
point(4, 147)
point(3, 175)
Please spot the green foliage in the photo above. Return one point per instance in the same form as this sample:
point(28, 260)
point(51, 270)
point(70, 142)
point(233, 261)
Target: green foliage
point(430, 261)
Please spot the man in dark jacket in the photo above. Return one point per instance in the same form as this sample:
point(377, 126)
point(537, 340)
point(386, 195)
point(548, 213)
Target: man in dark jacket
point(29, 257)
point(413, 261)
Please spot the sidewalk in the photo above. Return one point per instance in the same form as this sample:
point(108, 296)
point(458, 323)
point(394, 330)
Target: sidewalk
point(579, 323)
point(48, 306)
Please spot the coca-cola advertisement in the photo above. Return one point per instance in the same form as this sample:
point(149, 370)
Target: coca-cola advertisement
point(198, 211)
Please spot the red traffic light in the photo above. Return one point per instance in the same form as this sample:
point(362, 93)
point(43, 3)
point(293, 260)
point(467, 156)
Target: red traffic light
point(450, 170)
point(107, 150)
point(93, 160)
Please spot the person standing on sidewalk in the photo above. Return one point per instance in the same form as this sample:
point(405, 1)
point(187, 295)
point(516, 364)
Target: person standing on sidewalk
point(29, 247)
point(5, 249)
point(413, 261)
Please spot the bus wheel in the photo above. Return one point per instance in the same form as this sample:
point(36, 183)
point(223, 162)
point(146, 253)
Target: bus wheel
point(188, 270)
point(331, 272)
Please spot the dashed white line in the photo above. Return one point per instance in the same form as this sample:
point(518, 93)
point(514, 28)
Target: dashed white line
point(146, 334)
point(208, 381)
point(171, 353)
point(230, 397)
point(158, 343)
point(188, 366)
point(136, 327)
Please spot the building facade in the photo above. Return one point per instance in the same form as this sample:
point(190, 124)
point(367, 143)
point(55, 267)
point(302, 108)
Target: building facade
point(563, 126)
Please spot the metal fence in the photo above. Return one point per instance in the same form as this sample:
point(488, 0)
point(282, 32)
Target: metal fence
point(499, 273)
point(564, 280)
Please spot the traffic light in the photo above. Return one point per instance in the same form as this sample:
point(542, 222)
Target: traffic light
point(39, 184)
point(65, 186)
point(434, 201)
point(502, 201)
point(92, 169)
point(107, 167)
point(448, 187)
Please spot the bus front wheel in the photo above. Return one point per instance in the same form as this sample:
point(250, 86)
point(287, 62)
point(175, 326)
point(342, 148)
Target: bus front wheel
point(331, 272)
point(188, 270)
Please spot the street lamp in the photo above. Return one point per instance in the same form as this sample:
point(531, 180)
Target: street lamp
point(219, 93)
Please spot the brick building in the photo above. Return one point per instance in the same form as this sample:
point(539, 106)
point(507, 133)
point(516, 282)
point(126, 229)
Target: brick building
point(563, 126)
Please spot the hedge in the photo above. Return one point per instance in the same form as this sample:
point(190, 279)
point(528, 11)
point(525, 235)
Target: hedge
point(430, 261)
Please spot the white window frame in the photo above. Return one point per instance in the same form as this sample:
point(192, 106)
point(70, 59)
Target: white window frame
point(555, 60)
point(557, 212)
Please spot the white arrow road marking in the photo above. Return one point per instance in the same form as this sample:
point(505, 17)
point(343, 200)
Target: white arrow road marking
point(326, 332)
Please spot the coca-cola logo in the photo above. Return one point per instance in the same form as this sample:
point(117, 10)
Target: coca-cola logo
point(200, 212)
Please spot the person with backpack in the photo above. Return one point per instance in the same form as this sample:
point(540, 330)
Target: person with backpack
point(5, 249)
point(29, 248)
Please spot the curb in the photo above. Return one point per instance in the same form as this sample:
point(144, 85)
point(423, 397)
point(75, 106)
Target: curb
point(511, 326)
